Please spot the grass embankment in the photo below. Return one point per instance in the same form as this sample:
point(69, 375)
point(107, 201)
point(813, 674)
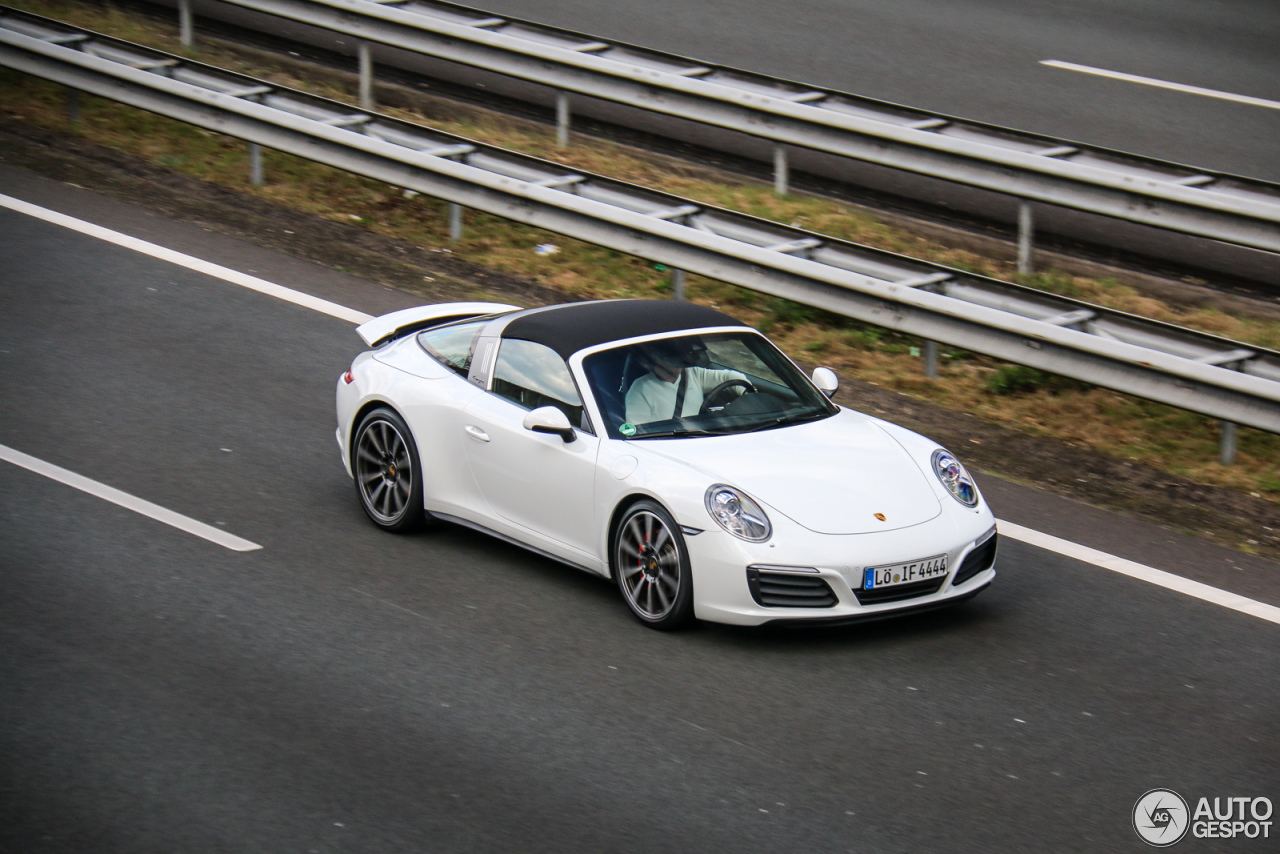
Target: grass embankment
point(1016, 397)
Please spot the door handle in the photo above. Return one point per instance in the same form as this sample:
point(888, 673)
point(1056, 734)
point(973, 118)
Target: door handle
point(476, 433)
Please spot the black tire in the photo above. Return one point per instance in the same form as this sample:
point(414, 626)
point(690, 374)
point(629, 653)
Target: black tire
point(388, 474)
point(651, 565)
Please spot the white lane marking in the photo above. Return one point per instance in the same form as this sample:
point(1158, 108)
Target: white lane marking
point(124, 499)
point(1163, 84)
point(191, 263)
point(1045, 541)
point(1159, 577)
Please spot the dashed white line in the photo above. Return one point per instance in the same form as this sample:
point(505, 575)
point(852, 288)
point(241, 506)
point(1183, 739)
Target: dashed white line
point(127, 501)
point(1163, 84)
point(1048, 542)
point(1151, 575)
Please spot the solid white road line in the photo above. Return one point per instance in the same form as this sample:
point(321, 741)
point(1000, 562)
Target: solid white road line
point(1159, 577)
point(124, 499)
point(198, 265)
point(1163, 84)
point(1017, 532)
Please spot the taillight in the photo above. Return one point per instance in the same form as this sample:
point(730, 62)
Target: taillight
point(348, 377)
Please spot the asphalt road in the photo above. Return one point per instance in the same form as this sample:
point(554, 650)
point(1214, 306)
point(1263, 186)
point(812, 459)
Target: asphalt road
point(342, 689)
point(980, 59)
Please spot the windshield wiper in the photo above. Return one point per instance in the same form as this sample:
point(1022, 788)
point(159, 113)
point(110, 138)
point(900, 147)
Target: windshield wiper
point(787, 421)
point(679, 434)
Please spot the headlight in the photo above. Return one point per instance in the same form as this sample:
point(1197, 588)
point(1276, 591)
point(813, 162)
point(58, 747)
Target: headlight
point(737, 513)
point(955, 478)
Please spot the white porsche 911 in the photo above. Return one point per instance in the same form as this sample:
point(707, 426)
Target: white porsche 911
point(667, 446)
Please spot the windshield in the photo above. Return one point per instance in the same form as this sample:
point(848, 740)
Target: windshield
point(700, 385)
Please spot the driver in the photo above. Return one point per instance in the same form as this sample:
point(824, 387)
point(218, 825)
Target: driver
point(677, 382)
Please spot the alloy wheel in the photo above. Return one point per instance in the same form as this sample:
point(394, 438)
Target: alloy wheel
point(648, 562)
point(384, 470)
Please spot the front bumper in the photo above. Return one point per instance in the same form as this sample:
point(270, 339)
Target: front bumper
point(728, 590)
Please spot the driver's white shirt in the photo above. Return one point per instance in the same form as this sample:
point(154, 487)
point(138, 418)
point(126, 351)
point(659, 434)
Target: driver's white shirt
point(652, 399)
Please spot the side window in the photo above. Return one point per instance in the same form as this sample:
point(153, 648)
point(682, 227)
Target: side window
point(453, 345)
point(533, 375)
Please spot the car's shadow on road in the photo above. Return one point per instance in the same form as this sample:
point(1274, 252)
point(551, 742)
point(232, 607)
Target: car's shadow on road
point(977, 617)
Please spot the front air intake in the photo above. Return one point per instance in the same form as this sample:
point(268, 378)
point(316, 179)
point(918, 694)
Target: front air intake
point(787, 590)
point(981, 558)
point(898, 592)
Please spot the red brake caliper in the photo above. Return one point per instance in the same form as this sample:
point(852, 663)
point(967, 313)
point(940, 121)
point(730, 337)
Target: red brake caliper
point(644, 576)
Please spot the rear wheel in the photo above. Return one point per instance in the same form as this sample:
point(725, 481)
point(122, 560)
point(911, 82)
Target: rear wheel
point(387, 472)
point(651, 566)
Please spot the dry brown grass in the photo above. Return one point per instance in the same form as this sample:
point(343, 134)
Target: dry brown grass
point(1119, 425)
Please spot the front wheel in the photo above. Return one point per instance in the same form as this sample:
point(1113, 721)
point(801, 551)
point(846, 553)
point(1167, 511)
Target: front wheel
point(651, 566)
point(387, 472)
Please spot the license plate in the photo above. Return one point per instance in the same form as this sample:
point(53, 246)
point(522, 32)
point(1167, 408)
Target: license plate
point(904, 573)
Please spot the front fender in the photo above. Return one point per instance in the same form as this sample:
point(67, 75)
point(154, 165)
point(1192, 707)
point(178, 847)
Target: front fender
point(626, 471)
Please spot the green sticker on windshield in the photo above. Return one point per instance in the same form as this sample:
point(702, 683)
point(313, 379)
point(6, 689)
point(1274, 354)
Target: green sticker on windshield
point(627, 429)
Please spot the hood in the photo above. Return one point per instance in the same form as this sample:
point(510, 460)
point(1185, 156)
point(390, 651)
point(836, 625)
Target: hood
point(831, 476)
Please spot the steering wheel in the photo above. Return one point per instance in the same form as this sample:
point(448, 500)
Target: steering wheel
point(711, 400)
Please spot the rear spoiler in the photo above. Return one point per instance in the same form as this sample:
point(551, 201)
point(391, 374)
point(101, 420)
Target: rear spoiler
point(398, 324)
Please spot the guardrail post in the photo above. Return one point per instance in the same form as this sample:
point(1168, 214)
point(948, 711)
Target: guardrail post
point(1228, 443)
point(73, 105)
point(781, 174)
point(366, 77)
point(1025, 236)
point(255, 164)
point(1227, 449)
point(455, 222)
point(931, 359)
point(677, 283)
point(186, 24)
point(562, 119)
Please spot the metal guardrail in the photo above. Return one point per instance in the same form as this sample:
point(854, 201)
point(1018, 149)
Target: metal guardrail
point(1175, 366)
point(1028, 166)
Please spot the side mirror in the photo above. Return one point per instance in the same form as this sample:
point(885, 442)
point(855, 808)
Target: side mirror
point(826, 381)
point(548, 419)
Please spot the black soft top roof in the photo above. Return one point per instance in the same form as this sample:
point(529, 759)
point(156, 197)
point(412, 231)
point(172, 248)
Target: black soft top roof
point(576, 326)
